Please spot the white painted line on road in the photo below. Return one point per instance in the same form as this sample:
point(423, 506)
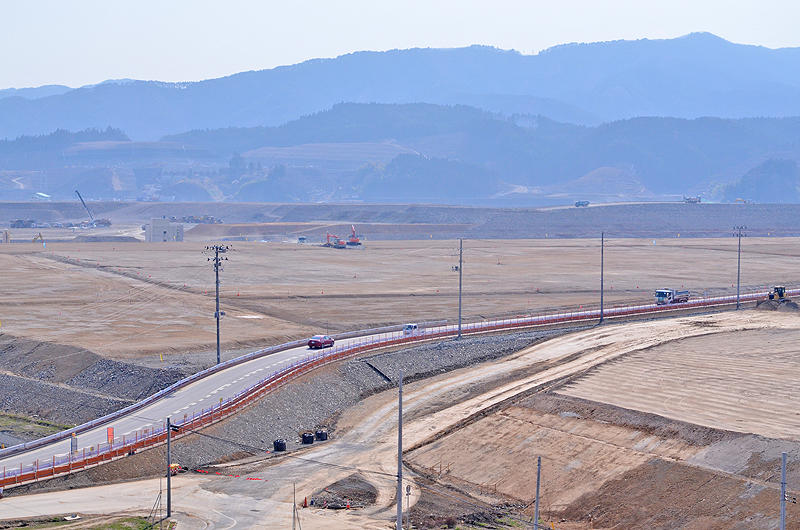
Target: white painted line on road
point(190, 404)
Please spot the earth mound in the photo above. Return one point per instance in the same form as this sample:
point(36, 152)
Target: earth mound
point(351, 492)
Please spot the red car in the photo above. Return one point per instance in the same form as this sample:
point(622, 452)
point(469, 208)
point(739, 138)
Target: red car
point(320, 341)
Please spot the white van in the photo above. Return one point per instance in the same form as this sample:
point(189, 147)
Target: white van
point(410, 329)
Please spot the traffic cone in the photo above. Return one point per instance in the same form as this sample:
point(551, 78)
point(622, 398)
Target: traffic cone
point(348, 504)
point(305, 502)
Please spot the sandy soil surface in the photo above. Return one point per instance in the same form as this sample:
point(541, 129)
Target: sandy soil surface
point(136, 300)
point(740, 391)
point(479, 430)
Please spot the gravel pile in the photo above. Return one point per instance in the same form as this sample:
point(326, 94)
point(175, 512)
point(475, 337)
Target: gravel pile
point(70, 385)
point(125, 381)
point(350, 492)
point(56, 403)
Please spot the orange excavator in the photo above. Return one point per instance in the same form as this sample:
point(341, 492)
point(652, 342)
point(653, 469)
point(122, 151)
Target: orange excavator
point(336, 243)
point(354, 240)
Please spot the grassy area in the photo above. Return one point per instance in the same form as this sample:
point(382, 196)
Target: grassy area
point(129, 523)
point(28, 428)
point(123, 523)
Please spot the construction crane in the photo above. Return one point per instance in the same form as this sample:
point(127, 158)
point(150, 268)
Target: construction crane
point(94, 222)
point(84, 205)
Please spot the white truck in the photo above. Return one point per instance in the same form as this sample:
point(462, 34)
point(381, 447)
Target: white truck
point(671, 296)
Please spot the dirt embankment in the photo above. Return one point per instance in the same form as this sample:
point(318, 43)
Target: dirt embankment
point(68, 385)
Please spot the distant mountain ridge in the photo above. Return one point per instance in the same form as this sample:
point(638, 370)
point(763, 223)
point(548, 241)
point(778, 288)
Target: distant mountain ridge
point(688, 77)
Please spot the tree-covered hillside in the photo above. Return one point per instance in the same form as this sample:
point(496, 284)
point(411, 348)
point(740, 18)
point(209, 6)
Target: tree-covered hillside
point(667, 155)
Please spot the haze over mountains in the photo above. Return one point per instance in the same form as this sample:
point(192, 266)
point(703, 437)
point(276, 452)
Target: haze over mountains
point(688, 77)
point(473, 125)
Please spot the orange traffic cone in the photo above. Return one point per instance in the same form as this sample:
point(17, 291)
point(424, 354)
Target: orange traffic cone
point(348, 504)
point(305, 502)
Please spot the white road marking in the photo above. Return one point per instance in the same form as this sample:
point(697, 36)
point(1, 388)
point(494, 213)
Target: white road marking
point(231, 518)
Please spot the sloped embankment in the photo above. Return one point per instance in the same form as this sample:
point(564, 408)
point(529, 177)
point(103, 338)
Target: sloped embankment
point(69, 385)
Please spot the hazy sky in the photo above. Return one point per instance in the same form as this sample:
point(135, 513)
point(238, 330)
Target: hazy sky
point(76, 43)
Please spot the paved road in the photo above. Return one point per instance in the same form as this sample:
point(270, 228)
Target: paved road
point(193, 398)
point(227, 383)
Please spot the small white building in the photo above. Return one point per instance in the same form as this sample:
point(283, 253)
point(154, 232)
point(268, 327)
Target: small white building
point(161, 230)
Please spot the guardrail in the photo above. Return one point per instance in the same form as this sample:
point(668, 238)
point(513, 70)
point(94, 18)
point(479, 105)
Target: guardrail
point(20, 448)
point(68, 462)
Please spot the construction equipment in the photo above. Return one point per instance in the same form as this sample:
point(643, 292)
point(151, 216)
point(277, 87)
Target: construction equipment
point(39, 237)
point(778, 293)
point(84, 205)
point(93, 222)
point(578, 204)
point(671, 296)
point(337, 241)
point(354, 240)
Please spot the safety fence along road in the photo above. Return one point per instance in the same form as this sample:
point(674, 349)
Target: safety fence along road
point(371, 340)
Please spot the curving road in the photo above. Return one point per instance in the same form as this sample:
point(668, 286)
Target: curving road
point(210, 390)
point(193, 398)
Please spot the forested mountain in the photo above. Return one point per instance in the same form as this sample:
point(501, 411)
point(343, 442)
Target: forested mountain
point(419, 153)
point(667, 155)
point(688, 77)
point(774, 181)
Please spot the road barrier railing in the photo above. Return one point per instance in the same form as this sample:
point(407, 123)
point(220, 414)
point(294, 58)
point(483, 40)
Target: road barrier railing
point(373, 340)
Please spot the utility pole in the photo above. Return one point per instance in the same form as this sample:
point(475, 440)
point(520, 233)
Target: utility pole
point(536, 508)
point(783, 492)
point(739, 262)
point(400, 454)
point(169, 470)
point(602, 249)
point(408, 505)
point(460, 271)
point(217, 250)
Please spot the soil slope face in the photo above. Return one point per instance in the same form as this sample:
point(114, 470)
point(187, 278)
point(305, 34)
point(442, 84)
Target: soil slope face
point(475, 433)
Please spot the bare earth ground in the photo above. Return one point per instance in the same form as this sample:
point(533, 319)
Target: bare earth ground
point(136, 300)
point(669, 423)
point(604, 466)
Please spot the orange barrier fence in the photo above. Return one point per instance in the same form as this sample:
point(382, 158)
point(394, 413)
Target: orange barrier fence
point(67, 463)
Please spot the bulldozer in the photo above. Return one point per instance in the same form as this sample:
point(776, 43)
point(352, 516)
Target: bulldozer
point(778, 293)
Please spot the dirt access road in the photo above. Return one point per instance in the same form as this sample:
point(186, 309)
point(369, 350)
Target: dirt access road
point(496, 448)
point(136, 301)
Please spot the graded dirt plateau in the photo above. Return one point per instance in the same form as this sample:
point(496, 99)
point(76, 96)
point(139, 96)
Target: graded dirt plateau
point(148, 302)
point(472, 437)
point(683, 430)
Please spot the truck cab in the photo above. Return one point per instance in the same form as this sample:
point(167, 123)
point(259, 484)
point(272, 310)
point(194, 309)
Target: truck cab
point(410, 329)
point(671, 296)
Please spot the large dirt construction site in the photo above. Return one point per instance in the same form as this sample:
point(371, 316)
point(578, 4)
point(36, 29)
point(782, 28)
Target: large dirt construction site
point(139, 301)
point(667, 423)
point(676, 455)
